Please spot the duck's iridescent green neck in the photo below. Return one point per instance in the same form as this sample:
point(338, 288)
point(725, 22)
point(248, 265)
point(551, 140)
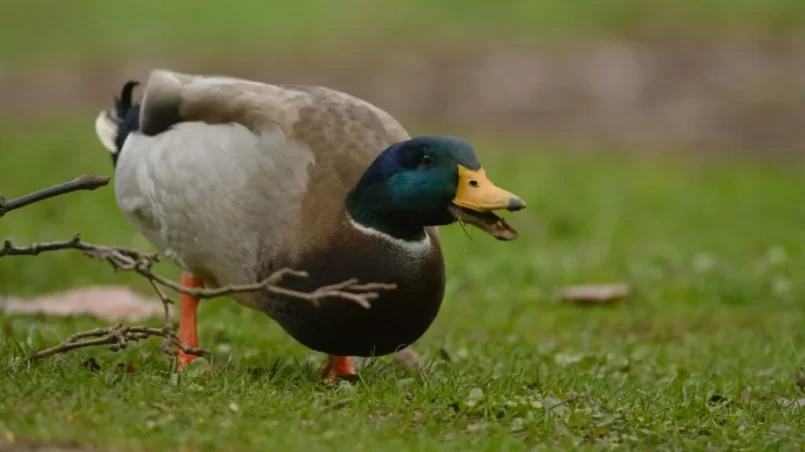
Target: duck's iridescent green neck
point(371, 209)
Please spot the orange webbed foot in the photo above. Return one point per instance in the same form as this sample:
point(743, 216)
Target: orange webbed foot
point(188, 334)
point(338, 367)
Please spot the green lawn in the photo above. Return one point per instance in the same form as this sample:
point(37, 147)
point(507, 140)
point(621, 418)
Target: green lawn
point(699, 357)
point(40, 31)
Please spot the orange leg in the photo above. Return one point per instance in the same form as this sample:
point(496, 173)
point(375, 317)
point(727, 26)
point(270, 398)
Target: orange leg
point(187, 321)
point(337, 367)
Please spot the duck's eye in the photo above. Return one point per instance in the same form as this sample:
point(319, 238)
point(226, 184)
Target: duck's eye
point(427, 161)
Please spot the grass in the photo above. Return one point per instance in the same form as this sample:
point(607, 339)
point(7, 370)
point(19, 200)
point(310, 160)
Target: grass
point(697, 359)
point(38, 32)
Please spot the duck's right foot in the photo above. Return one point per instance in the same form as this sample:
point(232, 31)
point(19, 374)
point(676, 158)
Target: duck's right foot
point(338, 367)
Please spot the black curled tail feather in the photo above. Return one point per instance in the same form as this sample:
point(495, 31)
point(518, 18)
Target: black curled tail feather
point(123, 104)
point(114, 126)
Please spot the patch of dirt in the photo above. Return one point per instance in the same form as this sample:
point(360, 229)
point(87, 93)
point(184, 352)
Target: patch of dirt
point(731, 94)
point(114, 303)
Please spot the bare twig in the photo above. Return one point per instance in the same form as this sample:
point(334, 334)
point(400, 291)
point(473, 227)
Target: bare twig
point(166, 302)
point(75, 243)
point(117, 337)
point(131, 260)
point(89, 182)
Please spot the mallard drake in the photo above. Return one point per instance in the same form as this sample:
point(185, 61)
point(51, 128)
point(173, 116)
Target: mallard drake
point(234, 179)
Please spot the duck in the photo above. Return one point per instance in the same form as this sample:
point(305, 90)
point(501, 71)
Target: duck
point(233, 179)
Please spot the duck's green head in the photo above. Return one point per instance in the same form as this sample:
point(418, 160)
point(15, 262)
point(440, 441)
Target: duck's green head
point(429, 181)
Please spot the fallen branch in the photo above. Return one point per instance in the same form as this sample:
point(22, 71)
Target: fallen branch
point(90, 182)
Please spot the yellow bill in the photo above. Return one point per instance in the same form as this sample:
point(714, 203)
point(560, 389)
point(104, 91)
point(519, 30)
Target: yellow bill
point(476, 192)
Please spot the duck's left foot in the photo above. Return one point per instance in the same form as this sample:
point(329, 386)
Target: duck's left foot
point(338, 367)
point(187, 321)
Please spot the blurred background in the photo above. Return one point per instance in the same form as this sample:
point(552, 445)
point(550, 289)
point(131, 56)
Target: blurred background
point(716, 75)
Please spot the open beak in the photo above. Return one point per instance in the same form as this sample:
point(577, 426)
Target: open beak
point(476, 199)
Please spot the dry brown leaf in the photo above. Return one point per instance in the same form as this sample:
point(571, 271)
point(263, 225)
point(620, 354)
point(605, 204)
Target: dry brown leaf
point(595, 293)
point(113, 303)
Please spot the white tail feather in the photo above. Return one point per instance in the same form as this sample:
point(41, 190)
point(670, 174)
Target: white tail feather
point(106, 128)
